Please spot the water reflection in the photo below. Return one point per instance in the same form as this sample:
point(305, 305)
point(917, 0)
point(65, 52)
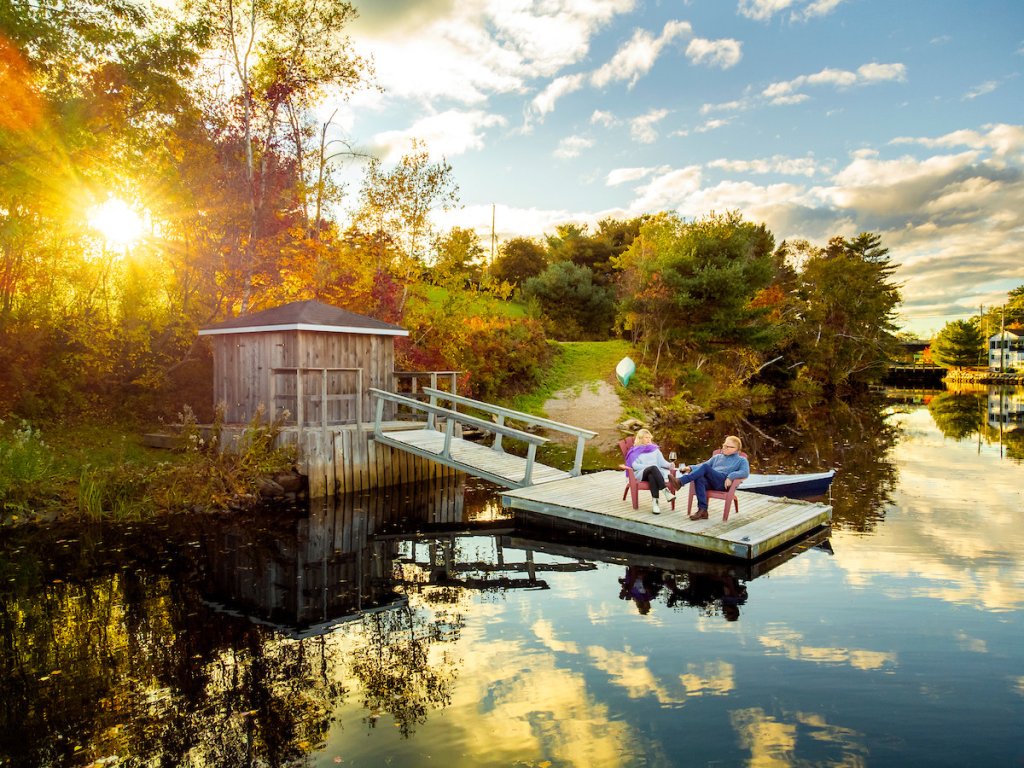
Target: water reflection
point(426, 624)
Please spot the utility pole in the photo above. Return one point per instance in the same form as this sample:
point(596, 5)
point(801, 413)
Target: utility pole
point(1002, 340)
point(493, 238)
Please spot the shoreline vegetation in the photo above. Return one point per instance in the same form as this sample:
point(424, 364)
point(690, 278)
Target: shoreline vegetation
point(101, 471)
point(96, 470)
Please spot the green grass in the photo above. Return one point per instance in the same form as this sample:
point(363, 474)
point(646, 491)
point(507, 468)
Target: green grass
point(483, 303)
point(575, 364)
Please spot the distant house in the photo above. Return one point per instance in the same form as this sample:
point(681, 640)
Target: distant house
point(313, 360)
point(1006, 350)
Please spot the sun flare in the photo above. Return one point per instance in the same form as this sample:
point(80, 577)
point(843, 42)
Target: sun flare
point(115, 220)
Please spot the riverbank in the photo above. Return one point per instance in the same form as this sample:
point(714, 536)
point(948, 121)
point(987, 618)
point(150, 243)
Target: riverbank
point(103, 471)
point(984, 377)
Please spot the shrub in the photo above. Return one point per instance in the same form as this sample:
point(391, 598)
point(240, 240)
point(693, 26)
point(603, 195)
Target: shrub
point(25, 462)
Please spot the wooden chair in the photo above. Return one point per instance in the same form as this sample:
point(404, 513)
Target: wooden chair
point(729, 495)
point(633, 485)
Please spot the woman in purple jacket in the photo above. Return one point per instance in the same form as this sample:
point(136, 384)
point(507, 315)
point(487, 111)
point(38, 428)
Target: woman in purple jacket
point(650, 467)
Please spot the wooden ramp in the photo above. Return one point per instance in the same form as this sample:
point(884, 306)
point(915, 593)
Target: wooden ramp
point(500, 468)
point(764, 523)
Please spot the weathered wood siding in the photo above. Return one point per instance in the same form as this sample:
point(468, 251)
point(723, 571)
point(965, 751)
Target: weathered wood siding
point(244, 377)
point(345, 459)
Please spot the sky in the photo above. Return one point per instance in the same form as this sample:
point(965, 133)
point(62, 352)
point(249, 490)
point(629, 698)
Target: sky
point(815, 117)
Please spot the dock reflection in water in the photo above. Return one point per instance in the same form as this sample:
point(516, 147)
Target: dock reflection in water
point(191, 642)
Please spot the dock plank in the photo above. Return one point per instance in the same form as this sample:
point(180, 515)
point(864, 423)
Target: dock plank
point(763, 523)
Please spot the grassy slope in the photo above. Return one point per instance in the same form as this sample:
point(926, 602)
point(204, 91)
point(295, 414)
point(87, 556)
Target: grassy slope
point(575, 364)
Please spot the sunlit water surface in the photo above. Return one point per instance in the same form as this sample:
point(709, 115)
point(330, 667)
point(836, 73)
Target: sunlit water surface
point(421, 626)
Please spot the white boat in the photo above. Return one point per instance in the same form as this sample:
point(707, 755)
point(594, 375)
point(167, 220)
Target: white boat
point(795, 486)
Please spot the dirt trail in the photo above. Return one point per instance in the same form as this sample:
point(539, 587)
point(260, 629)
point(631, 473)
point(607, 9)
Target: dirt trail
point(594, 406)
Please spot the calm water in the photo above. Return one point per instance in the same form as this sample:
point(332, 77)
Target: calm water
point(422, 627)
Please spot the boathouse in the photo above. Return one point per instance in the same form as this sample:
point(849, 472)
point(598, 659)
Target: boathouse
point(313, 360)
point(312, 368)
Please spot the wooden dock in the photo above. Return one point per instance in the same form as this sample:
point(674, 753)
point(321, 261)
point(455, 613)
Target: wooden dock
point(504, 469)
point(764, 523)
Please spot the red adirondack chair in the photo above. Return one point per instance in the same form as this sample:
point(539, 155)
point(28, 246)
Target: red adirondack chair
point(633, 485)
point(729, 495)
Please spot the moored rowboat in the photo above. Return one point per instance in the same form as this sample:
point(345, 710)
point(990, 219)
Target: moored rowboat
point(795, 486)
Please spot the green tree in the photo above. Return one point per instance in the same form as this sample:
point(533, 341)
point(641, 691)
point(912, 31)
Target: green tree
point(458, 258)
point(960, 343)
point(518, 260)
point(575, 307)
point(845, 330)
point(1014, 308)
point(690, 286)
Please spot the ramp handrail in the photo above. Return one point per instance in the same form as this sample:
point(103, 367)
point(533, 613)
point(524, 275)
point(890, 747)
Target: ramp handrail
point(451, 418)
point(501, 413)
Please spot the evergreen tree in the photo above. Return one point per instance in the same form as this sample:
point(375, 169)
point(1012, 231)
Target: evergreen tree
point(959, 344)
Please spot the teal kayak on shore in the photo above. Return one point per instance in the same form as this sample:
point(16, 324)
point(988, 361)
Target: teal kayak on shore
point(624, 371)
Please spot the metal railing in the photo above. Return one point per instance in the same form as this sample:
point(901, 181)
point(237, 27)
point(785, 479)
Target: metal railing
point(501, 414)
point(451, 419)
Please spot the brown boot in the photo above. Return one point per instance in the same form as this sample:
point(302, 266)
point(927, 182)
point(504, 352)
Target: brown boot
point(700, 514)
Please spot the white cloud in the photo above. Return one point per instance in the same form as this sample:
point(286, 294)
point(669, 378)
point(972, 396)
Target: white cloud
point(790, 166)
point(626, 175)
point(725, 106)
point(572, 146)
point(642, 128)
point(1003, 140)
point(816, 8)
point(636, 57)
point(449, 134)
point(544, 102)
point(787, 91)
point(717, 53)
point(667, 190)
point(711, 125)
point(601, 117)
point(981, 90)
point(471, 49)
point(763, 10)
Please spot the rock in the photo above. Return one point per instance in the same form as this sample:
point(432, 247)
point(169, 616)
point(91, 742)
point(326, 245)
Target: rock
point(290, 482)
point(269, 489)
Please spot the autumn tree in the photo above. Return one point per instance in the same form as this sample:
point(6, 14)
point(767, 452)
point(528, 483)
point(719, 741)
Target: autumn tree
point(396, 204)
point(284, 55)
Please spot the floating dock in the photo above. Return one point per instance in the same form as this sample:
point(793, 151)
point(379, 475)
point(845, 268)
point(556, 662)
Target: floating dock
point(764, 523)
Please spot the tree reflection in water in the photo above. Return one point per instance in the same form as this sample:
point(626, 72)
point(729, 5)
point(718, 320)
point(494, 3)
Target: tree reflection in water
point(958, 414)
point(853, 437)
point(192, 642)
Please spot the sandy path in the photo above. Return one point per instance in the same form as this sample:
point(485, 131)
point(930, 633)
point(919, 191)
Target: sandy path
point(594, 406)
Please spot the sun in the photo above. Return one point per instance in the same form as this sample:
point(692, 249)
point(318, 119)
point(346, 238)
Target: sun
point(119, 224)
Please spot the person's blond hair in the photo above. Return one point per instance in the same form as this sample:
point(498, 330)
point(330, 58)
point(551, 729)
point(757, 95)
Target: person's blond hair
point(734, 439)
point(642, 433)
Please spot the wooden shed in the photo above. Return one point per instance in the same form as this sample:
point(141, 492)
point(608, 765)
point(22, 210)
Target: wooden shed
point(313, 360)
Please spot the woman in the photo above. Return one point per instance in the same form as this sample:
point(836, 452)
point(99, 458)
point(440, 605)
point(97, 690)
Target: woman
point(650, 467)
point(716, 473)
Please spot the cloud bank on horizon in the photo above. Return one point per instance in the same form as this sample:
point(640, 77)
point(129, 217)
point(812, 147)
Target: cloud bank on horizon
point(816, 117)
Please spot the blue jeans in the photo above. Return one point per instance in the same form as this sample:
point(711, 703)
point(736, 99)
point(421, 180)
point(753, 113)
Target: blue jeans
point(703, 477)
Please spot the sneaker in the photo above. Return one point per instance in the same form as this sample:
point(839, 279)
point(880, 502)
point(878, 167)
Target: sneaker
point(654, 507)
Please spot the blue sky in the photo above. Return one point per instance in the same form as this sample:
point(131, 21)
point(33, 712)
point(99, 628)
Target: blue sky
point(816, 117)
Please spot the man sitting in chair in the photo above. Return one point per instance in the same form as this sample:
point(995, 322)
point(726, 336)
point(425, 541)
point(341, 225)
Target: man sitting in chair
point(717, 473)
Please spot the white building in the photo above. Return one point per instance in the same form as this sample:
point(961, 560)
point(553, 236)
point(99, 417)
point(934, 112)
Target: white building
point(1006, 350)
